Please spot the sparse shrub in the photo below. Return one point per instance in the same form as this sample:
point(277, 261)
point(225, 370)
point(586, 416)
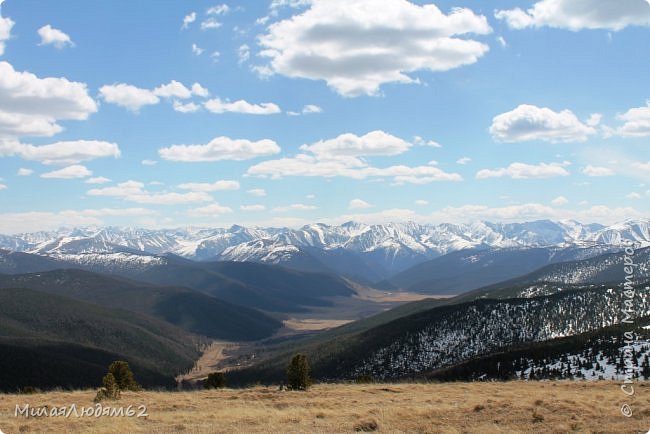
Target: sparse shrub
point(537, 417)
point(369, 425)
point(110, 389)
point(298, 373)
point(215, 380)
point(364, 379)
point(123, 376)
point(478, 407)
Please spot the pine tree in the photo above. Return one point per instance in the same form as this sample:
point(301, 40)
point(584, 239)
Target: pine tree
point(298, 373)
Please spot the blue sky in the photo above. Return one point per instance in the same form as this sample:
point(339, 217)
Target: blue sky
point(285, 112)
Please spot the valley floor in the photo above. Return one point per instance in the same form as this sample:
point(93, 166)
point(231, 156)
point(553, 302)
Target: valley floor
point(512, 407)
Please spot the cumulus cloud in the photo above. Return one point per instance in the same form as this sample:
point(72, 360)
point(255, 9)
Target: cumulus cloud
point(355, 47)
point(173, 89)
point(217, 105)
point(189, 19)
point(221, 9)
point(210, 23)
point(55, 37)
point(199, 90)
point(65, 152)
point(97, 180)
point(134, 191)
point(295, 207)
point(421, 202)
point(559, 201)
point(529, 122)
point(196, 50)
point(208, 187)
point(311, 108)
point(579, 14)
point(636, 122)
point(373, 143)
point(359, 204)
point(243, 53)
point(6, 24)
point(130, 97)
point(525, 171)
point(463, 160)
point(597, 171)
point(24, 172)
point(252, 208)
point(31, 106)
point(209, 210)
point(340, 157)
point(220, 148)
point(259, 192)
point(189, 107)
point(71, 172)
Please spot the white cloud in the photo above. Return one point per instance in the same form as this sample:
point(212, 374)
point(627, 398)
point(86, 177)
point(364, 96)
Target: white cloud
point(421, 142)
point(173, 89)
point(463, 160)
point(358, 46)
point(295, 207)
point(189, 19)
point(252, 208)
point(97, 180)
point(196, 50)
point(216, 55)
point(259, 192)
point(359, 204)
point(243, 53)
point(199, 90)
point(597, 171)
point(128, 96)
point(66, 152)
point(529, 122)
point(421, 202)
point(502, 41)
point(210, 210)
point(52, 36)
point(13, 223)
point(559, 201)
point(6, 24)
point(3, 187)
point(208, 187)
point(525, 171)
point(311, 108)
point(210, 23)
point(579, 14)
point(190, 107)
point(636, 122)
point(220, 148)
point(350, 167)
point(340, 157)
point(372, 143)
point(221, 9)
point(633, 195)
point(134, 191)
point(594, 119)
point(148, 162)
point(71, 172)
point(31, 106)
point(216, 105)
point(24, 172)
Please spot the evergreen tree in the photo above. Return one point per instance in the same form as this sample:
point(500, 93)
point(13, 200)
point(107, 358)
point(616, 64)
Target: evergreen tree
point(298, 373)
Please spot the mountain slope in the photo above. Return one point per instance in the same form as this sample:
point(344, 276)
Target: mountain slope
point(452, 333)
point(38, 324)
point(464, 270)
point(194, 311)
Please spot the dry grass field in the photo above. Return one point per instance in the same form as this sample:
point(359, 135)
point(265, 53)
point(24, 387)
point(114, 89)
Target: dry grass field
point(514, 407)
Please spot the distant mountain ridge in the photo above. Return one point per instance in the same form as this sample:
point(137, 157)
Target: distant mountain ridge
point(365, 252)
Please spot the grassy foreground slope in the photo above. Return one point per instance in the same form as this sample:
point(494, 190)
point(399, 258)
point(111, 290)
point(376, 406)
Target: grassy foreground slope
point(497, 407)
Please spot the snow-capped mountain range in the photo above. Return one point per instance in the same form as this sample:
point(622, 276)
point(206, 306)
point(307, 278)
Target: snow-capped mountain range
point(381, 248)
